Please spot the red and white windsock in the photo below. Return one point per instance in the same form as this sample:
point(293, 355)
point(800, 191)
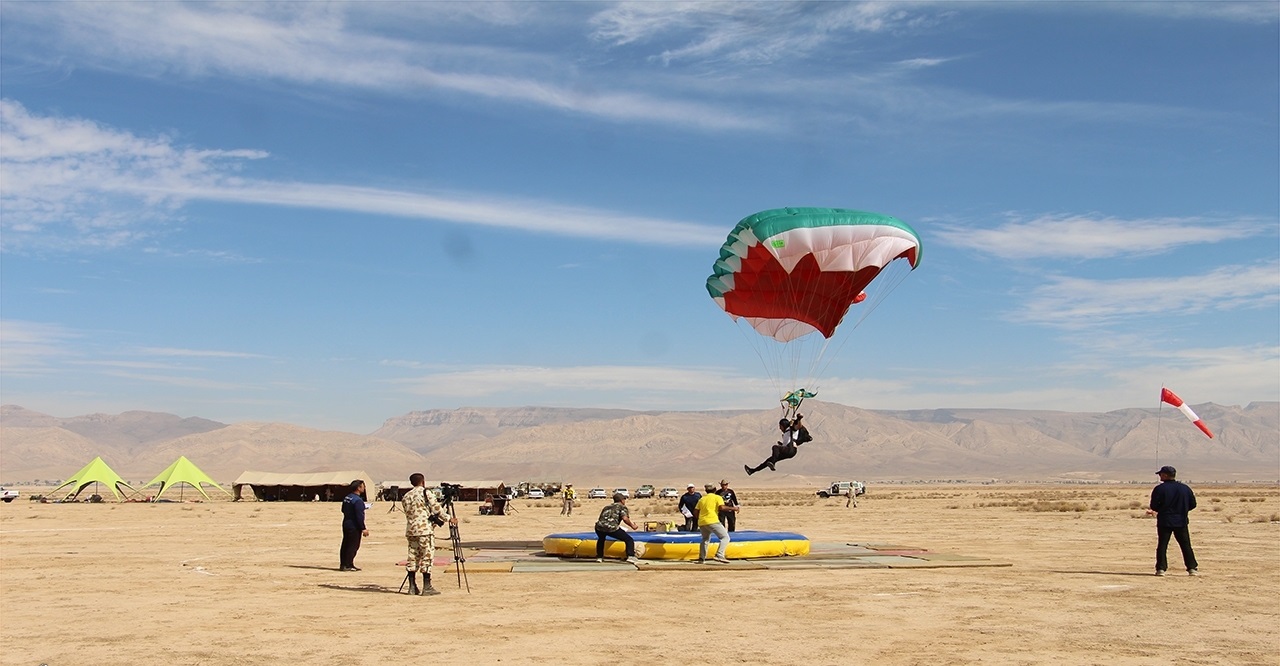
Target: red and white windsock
point(1172, 398)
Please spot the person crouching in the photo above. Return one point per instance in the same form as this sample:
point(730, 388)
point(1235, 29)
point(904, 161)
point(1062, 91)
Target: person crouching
point(609, 525)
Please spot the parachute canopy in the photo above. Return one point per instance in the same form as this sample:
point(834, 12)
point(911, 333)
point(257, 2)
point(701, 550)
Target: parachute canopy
point(790, 272)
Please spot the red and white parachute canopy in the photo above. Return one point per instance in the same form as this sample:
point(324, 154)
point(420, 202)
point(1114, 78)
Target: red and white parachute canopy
point(1172, 398)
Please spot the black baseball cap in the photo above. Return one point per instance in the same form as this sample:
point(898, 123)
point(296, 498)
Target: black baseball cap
point(1167, 469)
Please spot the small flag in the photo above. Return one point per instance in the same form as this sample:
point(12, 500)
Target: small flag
point(1172, 398)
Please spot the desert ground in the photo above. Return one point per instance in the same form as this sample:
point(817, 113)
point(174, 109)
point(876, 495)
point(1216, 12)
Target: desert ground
point(257, 583)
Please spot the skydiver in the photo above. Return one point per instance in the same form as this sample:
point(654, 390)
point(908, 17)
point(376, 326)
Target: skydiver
point(793, 434)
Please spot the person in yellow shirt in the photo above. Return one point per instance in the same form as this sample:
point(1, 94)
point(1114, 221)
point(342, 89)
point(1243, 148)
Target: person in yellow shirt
point(708, 511)
point(566, 509)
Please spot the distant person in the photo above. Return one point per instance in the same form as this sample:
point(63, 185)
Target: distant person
point(853, 497)
point(609, 526)
point(689, 507)
point(569, 494)
point(422, 513)
point(794, 433)
point(729, 518)
point(709, 509)
point(353, 527)
point(1171, 501)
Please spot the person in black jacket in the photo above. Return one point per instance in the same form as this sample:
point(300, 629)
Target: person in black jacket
point(728, 518)
point(689, 508)
point(353, 527)
point(1171, 501)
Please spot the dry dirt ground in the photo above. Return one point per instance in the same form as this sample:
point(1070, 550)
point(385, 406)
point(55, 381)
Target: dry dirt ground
point(256, 583)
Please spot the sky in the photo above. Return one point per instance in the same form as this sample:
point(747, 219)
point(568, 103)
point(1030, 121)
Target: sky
point(332, 214)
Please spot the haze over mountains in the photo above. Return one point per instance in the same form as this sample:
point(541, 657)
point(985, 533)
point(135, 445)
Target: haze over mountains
point(618, 447)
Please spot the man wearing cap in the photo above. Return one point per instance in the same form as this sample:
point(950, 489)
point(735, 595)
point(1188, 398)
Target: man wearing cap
point(689, 508)
point(728, 518)
point(1171, 501)
point(569, 494)
point(610, 525)
point(709, 509)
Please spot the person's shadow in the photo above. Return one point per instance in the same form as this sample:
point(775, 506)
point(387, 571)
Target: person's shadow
point(1106, 573)
point(366, 587)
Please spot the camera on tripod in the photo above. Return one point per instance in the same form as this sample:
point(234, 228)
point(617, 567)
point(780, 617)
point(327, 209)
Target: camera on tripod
point(449, 492)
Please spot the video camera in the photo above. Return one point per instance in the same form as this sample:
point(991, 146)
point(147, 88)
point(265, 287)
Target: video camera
point(449, 492)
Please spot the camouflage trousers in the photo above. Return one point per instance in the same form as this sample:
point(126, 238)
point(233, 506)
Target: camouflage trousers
point(422, 550)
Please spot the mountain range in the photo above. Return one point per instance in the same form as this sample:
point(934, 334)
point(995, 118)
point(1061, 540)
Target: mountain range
point(611, 447)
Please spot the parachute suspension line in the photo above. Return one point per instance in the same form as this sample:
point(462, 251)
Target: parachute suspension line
point(759, 345)
point(889, 279)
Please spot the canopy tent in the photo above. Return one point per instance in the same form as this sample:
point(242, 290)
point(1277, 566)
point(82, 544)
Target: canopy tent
point(468, 491)
point(476, 491)
point(96, 471)
point(183, 471)
point(277, 487)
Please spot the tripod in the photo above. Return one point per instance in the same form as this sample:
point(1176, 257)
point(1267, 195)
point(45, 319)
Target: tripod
point(459, 558)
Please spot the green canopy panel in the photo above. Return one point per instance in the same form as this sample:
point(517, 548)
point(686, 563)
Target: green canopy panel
point(183, 471)
point(96, 471)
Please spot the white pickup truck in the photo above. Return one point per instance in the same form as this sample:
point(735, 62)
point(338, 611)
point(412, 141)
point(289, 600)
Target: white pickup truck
point(841, 489)
point(8, 495)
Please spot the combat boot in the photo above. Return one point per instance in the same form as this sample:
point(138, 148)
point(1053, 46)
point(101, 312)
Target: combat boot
point(413, 582)
point(427, 590)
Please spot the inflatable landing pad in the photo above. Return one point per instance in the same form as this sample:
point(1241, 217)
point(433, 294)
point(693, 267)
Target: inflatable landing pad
point(746, 544)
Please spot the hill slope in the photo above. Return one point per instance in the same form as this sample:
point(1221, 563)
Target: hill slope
point(597, 446)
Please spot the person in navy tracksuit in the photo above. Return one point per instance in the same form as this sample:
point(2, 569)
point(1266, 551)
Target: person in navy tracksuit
point(353, 528)
point(1171, 501)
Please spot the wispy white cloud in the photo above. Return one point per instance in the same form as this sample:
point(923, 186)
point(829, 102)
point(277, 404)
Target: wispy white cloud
point(658, 387)
point(182, 381)
point(196, 353)
point(1074, 303)
point(334, 45)
point(106, 188)
point(1237, 11)
point(30, 348)
point(132, 365)
point(1097, 236)
point(737, 57)
point(1099, 380)
point(747, 32)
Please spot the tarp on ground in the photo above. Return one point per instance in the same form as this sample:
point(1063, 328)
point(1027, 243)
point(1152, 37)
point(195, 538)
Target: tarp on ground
point(97, 471)
point(301, 487)
point(183, 471)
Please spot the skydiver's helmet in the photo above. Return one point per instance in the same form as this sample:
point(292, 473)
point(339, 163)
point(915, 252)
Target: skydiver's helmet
point(783, 424)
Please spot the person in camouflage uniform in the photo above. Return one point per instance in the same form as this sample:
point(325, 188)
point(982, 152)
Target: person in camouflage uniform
point(422, 512)
point(610, 525)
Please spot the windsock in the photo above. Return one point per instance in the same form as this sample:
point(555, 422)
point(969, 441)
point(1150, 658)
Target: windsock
point(1172, 398)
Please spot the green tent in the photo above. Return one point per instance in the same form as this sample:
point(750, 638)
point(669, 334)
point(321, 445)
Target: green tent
point(96, 471)
point(183, 471)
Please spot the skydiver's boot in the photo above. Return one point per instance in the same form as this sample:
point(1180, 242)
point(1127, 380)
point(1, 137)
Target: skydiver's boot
point(749, 470)
point(413, 583)
point(427, 590)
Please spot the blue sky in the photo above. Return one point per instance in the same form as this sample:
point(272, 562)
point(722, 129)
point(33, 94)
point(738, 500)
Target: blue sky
point(331, 214)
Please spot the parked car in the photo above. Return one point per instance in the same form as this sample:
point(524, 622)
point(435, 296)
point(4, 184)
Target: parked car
point(841, 489)
point(644, 491)
point(624, 491)
point(8, 495)
point(536, 493)
point(597, 493)
point(668, 493)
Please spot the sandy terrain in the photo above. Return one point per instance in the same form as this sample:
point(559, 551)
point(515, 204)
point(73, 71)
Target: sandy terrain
point(256, 583)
